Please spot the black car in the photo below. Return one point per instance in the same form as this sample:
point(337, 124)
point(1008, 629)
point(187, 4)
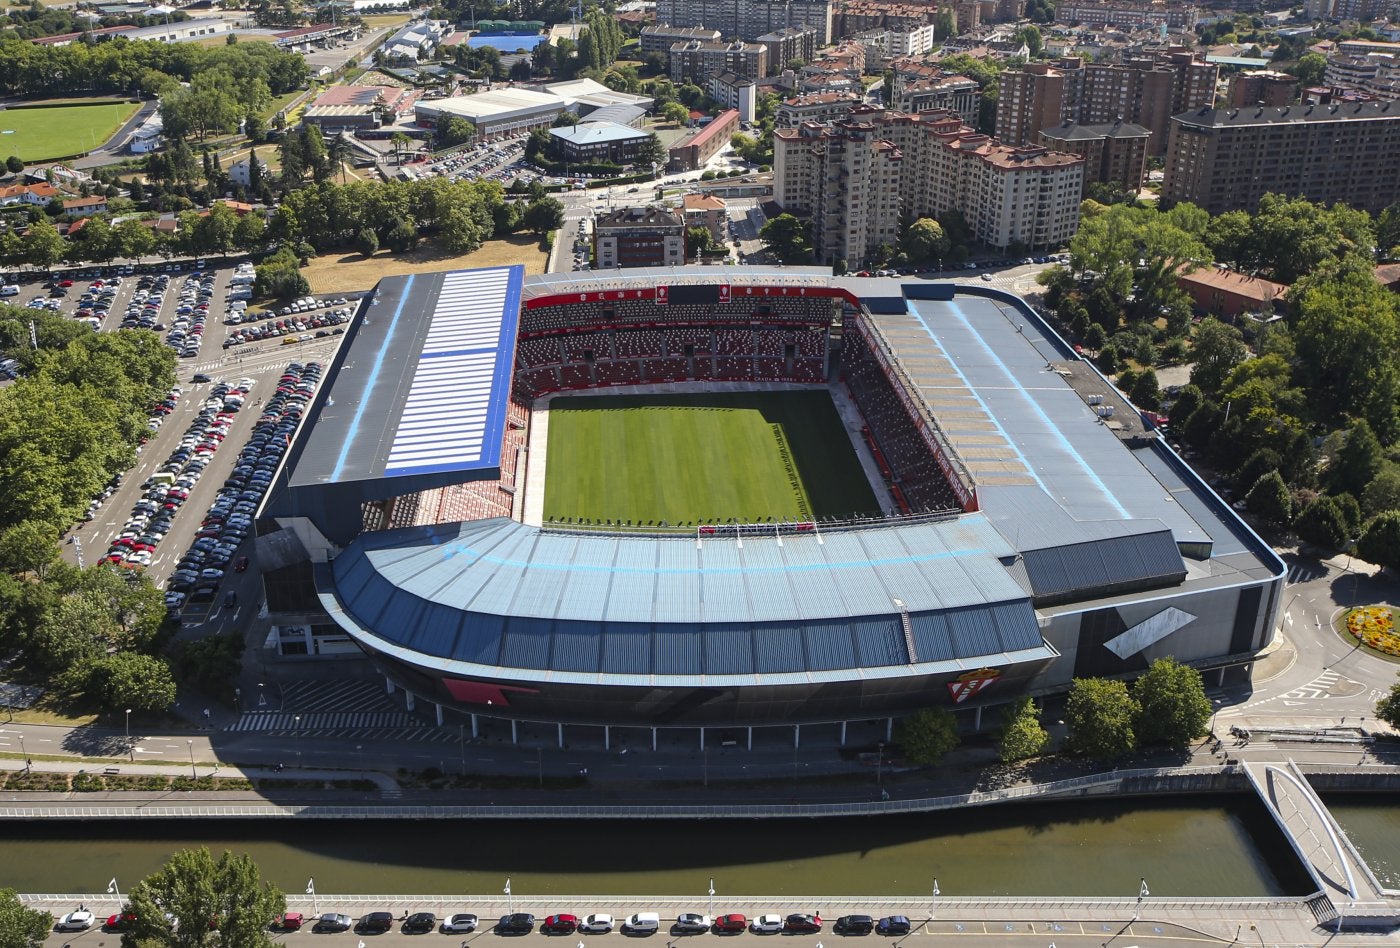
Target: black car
point(519, 923)
point(893, 925)
point(375, 923)
point(855, 925)
point(419, 923)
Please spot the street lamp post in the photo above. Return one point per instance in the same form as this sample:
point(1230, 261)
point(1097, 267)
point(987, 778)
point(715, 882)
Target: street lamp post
point(296, 719)
point(1142, 894)
point(510, 902)
point(880, 764)
point(24, 752)
point(933, 904)
point(193, 772)
point(130, 750)
point(712, 898)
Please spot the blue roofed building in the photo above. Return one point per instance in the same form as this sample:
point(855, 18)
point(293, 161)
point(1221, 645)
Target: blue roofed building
point(596, 142)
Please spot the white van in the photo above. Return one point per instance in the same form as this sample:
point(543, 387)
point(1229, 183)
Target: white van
point(642, 923)
point(9, 289)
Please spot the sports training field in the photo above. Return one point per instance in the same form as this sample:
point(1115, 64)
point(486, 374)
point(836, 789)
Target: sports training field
point(688, 459)
point(38, 134)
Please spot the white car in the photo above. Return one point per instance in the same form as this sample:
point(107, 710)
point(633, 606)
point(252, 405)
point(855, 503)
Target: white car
point(768, 924)
point(459, 924)
point(596, 924)
point(78, 921)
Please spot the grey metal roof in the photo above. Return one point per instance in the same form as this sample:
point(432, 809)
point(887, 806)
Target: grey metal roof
point(421, 386)
point(498, 593)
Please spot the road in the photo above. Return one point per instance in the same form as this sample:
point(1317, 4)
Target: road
point(111, 150)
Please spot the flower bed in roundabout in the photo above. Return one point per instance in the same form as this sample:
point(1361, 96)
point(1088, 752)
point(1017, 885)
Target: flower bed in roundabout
point(1374, 627)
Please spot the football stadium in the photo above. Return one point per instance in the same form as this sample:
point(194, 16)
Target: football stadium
point(739, 497)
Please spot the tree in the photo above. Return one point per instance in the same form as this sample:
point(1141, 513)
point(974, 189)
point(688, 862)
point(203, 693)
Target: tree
point(453, 130)
point(1360, 459)
point(132, 680)
point(699, 240)
point(927, 735)
point(210, 903)
point(44, 245)
point(675, 113)
point(29, 547)
point(1146, 392)
point(1030, 35)
point(786, 238)
point(21, 927)
point(1172, 705)
point(1388, 708)
point(1383, 493)
point(1269, 499)
point(543, 216)
point(650, 153)
point(924, 241)
point(1380, 544)
point(1322, 523)
point(1021, 733)
point(14, 164)
point(1216, 349)
point(1309, 69)
point(1100, 715)
point(1107, 359)
point(367, 241)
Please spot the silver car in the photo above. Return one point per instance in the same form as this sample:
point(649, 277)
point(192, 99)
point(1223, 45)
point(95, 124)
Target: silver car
point(459, 924)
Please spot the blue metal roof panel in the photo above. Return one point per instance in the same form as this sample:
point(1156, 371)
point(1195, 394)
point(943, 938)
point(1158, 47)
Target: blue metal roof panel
point(679, 651)
point(627, 648)
point(634, 590)
point(436, 633)
point(779, 647)
point(676, 599)
point(577, 647)
point(481, 639)
point(830, 645)
point(728, 650)
point(527, 642)
point(879, 641)
point(975, 632)
point(933, 640)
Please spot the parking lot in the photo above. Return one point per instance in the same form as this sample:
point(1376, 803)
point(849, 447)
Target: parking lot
point(216, 439)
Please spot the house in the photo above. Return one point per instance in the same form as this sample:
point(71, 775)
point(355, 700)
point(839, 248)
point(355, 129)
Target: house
point(85, 206)
point(1230, 294)
point(706, 210)
point(34, 194)
point(239, 172)
point(1388, 276)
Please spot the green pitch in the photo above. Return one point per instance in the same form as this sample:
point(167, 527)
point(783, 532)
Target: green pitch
point(692, 459)
point(39, 134)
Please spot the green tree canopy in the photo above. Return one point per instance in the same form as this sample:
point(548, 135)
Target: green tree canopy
point(223, 903)
point(1269, 499)
point(1388, 707)
point(1100, 714)
point(21, 927)
point(1172, 705)
point(786, 237)
point(131, 680)
point(924, 241)
point(1216, 349)
point(1380, 544)
point(927, 735)
point(1022, 735)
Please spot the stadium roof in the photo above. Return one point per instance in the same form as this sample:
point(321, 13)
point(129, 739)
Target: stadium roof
point(499, 593)
point(421, 385)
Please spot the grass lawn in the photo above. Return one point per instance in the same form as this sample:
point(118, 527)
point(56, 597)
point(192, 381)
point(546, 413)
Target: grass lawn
point(39, 134)
point(336, 272)
point(701, 458)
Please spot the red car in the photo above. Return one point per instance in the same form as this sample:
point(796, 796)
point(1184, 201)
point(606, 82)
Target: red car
point(805, 924)
point(121, 922)
point(560, 924)
point(731, 923)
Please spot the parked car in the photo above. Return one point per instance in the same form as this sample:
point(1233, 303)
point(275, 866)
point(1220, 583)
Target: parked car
point(692, 923)
point(419, 923)
point(768, 924)
point(733, 923)
point(289, 921)
point(893, 925)
point(854, 925)
point(562, 924)
point(802, 923)
point(597, 924)
point(519, 923)
point(376, 923)
point(332, 922)
point(77, 921)
point(459, 924)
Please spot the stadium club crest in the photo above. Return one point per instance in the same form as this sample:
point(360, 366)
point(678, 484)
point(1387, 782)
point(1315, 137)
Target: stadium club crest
point(970, 683)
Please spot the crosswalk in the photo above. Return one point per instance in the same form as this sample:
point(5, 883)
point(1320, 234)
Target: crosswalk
point(360, 725)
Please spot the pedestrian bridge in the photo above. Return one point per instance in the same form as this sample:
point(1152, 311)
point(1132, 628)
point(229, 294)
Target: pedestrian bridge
point(1348, 893)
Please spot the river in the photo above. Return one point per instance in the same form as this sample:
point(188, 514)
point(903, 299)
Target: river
point(1204, 846)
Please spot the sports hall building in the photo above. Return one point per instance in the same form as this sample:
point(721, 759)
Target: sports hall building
point(1036, 531)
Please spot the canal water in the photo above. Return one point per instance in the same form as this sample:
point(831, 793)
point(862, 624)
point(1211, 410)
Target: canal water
point(1207, 846)
point(1372, 823)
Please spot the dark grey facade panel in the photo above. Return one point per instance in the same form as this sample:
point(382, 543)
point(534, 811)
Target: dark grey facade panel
point(404, 614)
point(481, 639)
point(879, 641)
point(577, 648)
point(437, 631)
point(975, 632)
point(527, 642)
point(626, 648)
point(933, 640)
point(679, 652)
point(778, 648)
point(1092, 569)
point(1016, 626)
point(728, 650)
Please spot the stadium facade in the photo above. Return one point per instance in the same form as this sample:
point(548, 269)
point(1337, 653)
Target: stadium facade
point(1038, 531)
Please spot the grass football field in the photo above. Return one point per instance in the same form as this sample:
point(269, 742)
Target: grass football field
point(701, 458)
point(38, 134)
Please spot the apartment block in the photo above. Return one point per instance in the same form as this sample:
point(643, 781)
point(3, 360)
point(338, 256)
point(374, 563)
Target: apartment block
point(819, 107)
point(1262, 87)
point(660, 37)
point(700, 60)
point(749, 19)
point(1227, 159)
point(857, 179)
point(1113, 154)
point(639, 237)
point(945, 93)
point(735, 92)
point(787, 44)
point(1360, 10)
point(1175, 16)
point(1143, 90)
